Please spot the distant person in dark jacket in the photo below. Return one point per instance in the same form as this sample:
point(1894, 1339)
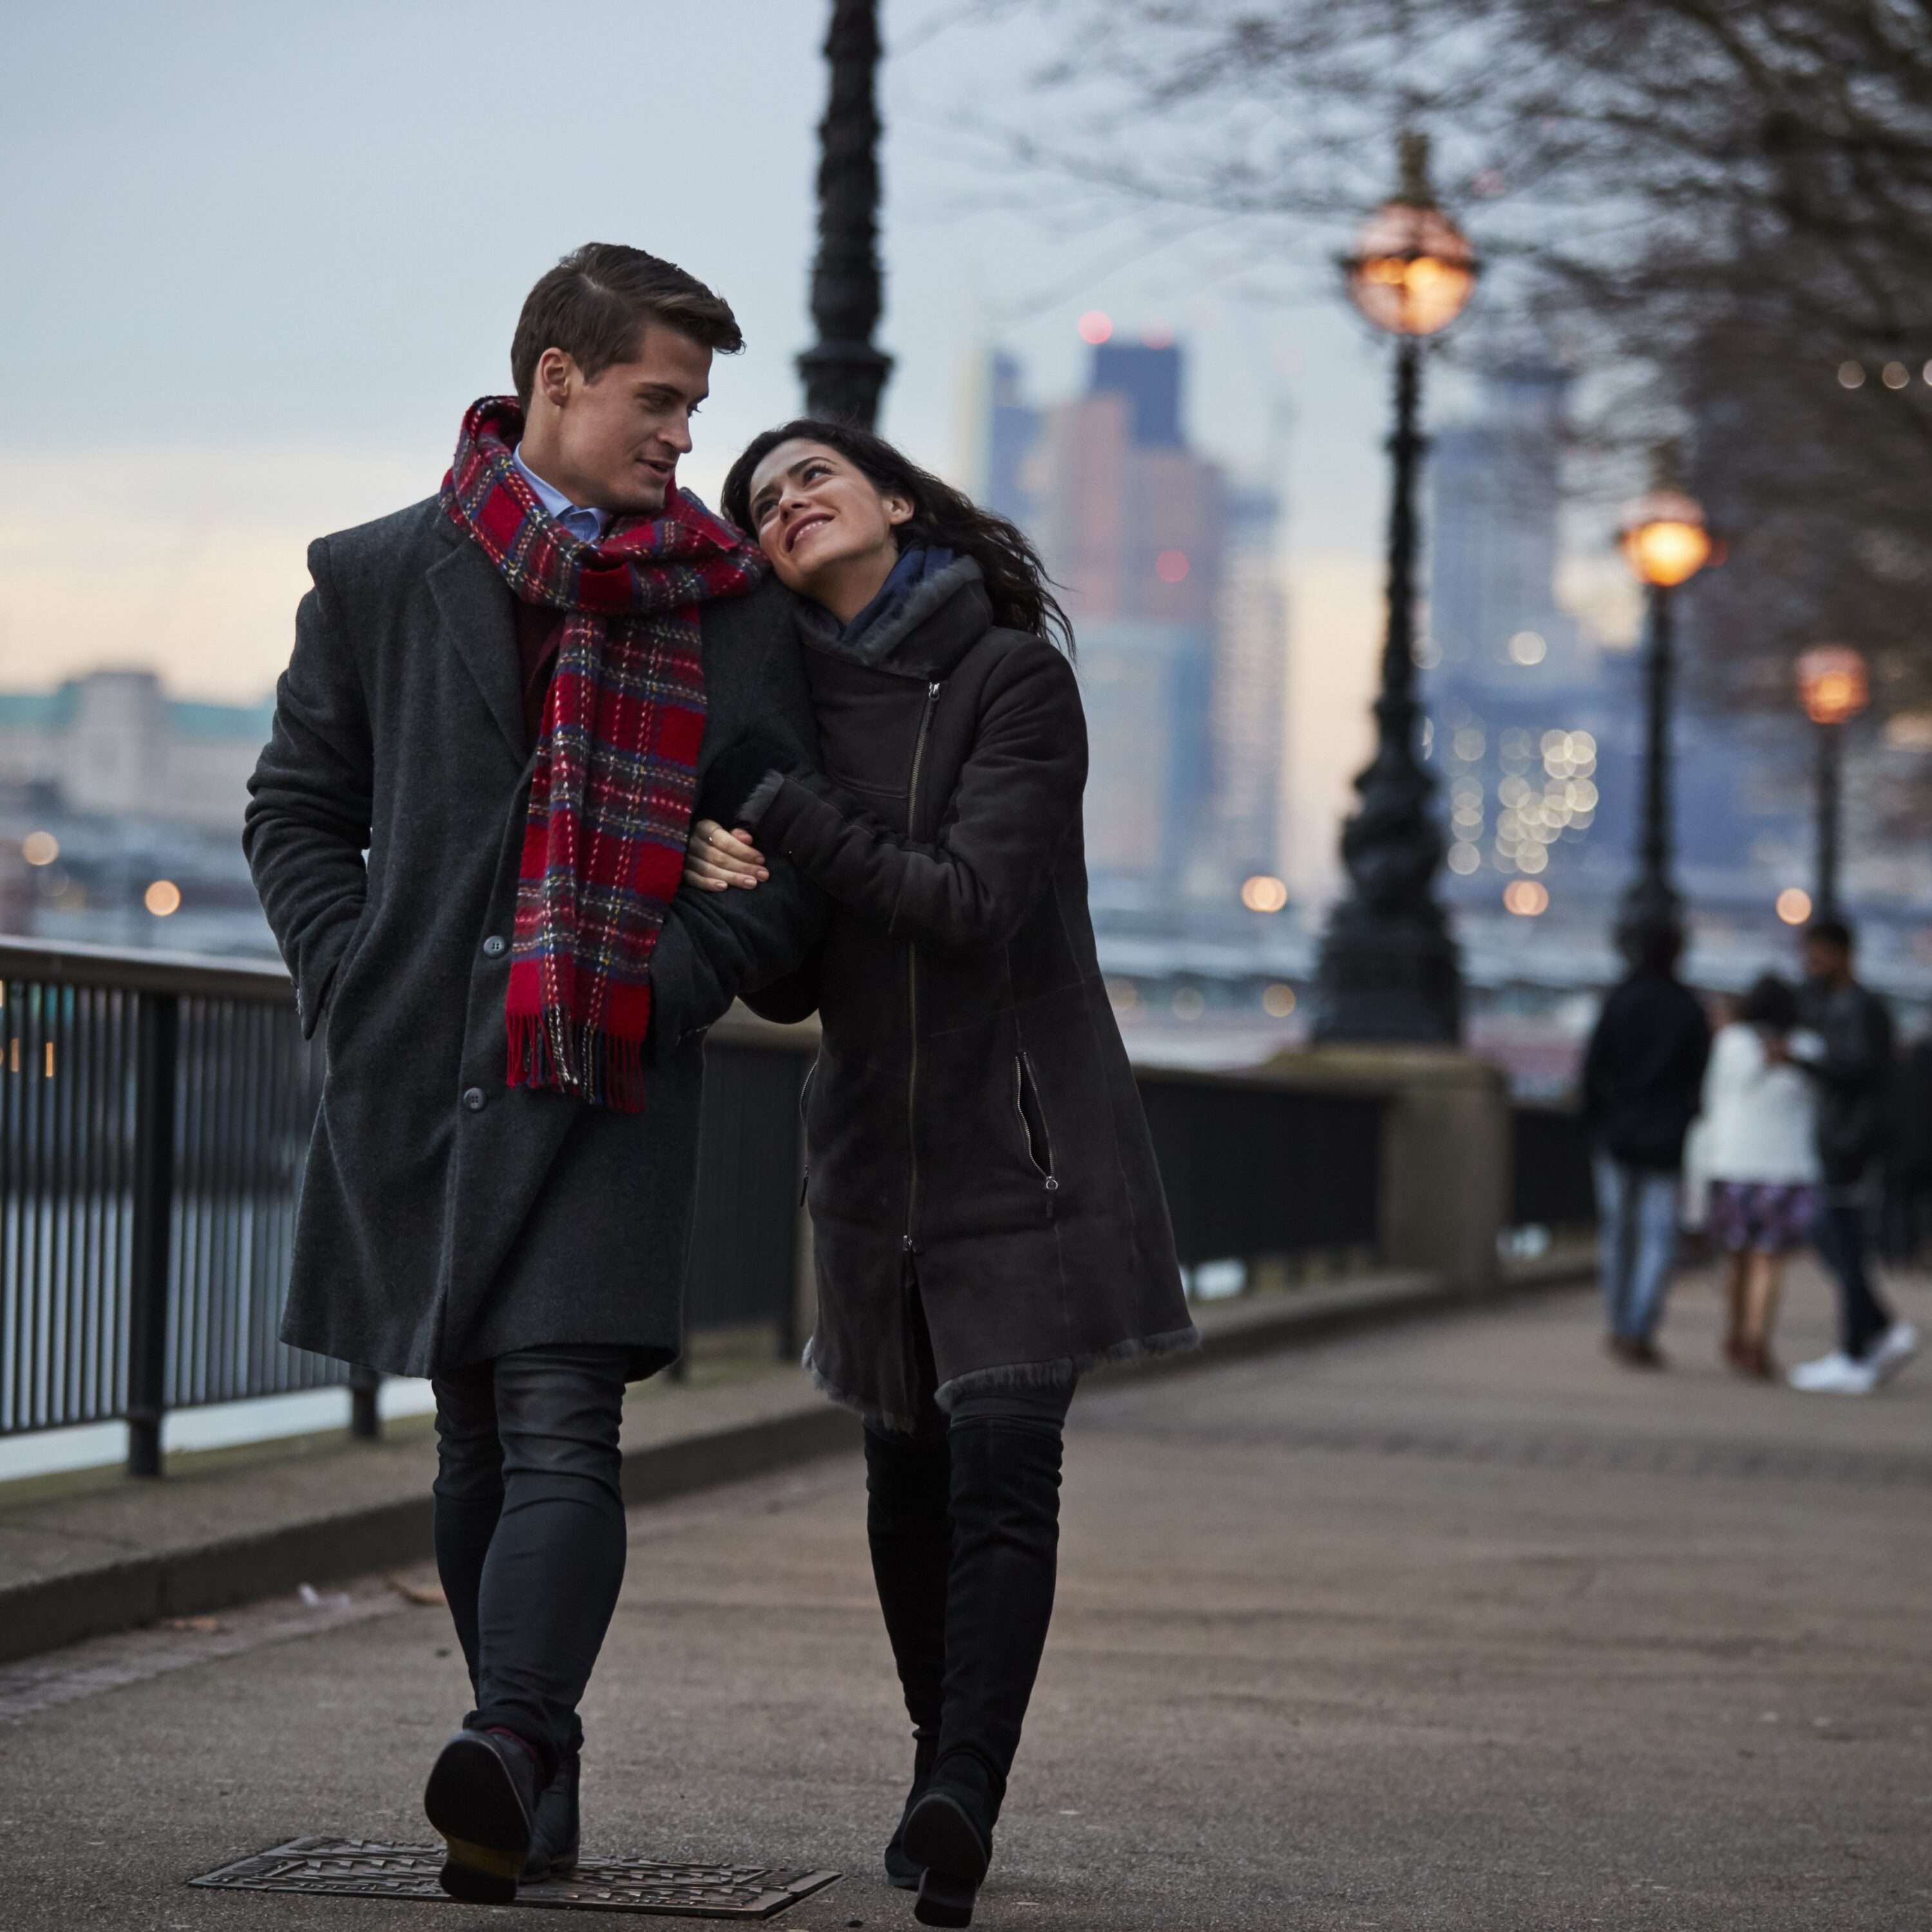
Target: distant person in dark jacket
point(1908, 1164)
point(1851, 1067)
point(1642, 1076)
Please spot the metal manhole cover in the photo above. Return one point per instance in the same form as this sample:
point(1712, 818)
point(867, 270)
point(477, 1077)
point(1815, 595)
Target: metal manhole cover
point(354, 1868)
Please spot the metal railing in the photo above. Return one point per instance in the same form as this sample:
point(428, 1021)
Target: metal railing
point(1551, 1185)
point(155, 1113)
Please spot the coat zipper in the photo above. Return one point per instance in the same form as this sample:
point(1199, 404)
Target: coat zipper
point(804, 1101)
point(1023, 1072)
point(912, 980)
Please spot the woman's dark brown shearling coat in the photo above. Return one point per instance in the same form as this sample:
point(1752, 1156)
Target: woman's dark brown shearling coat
point(973, 1129)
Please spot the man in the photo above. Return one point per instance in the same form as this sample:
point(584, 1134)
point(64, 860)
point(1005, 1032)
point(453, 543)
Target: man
point(1642, 1077)
point(467, 831)
point(1850, 1067)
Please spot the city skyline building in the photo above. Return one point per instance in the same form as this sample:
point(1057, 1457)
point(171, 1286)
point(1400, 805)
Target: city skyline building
point(1171, 575)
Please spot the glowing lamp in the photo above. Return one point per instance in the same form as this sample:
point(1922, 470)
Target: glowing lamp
point(1664, 538)
point(1832, 684)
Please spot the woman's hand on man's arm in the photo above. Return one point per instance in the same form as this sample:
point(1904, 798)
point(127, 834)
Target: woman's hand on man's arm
point(715, 860)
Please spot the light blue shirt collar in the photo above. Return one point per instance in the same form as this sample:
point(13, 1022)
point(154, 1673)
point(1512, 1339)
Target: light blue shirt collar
point(584, 523)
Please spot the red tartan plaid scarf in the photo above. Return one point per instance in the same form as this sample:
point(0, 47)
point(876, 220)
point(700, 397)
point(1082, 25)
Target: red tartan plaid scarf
point(617, 758)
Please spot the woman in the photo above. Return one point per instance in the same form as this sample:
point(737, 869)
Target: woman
point(988, 1218)
point(1759, 1147)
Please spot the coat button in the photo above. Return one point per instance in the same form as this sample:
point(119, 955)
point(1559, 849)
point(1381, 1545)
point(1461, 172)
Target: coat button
point(472, 1099)
point(493, 945)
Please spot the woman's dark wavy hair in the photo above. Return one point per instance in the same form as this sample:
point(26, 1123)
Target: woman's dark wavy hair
point(1772, 1003)
point(1017, 584)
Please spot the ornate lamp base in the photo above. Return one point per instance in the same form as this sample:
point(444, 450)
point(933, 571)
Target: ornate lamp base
point(1389, 976)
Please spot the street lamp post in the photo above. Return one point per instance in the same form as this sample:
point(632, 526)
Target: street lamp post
point(1389, 969)
point(844, 374)
point(1833, 688)
point(1666, 543)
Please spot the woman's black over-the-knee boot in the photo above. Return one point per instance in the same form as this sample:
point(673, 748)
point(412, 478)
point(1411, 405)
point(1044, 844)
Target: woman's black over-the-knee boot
point(1005, 1457)
point(909, 1526)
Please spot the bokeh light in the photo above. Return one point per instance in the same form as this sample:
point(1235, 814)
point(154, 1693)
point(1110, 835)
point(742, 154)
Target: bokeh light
point(1263, 893)
point(1526, 647)
point(1278, 1001)
point(162, 898)
point(1189, 1004)
point(1096, 327)
point(1794, 905)
point(1170, 566)
point(1526, 897)
point(1851, 376)
point(40, 848)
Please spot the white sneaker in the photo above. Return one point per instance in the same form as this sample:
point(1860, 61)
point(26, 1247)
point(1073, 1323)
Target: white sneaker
point(1834, 1374)
point(1896, 1347)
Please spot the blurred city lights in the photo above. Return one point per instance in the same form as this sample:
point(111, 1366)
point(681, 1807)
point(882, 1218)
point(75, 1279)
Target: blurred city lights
point(1096, 327)
point(1832, 684)
point(1851, 376)
point(1464, 858)
point(1170, 566)
point(1526, 897)
point(163, 898)
point(40, 848)
point(1278, 1001)
point(1413, 270)
point(1663, 538)
point(1264, 894)
point(1794, 905)
point(1188, 1004)
point(1124, 994)
point(1895, 376)
point(1527, 648)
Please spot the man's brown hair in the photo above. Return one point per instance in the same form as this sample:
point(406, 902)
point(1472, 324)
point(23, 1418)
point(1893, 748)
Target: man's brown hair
point(593, 305)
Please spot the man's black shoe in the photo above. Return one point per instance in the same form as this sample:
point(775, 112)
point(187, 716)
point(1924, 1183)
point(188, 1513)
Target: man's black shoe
point(943, 1836)
point(899, 1868)
point(482, 1796)
point(553, 1832)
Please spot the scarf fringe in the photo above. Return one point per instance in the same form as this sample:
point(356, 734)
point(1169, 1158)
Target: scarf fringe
point(547, 1050)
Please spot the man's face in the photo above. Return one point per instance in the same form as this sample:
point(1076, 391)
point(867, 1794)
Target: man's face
point(1825, 960)
point(614, 443)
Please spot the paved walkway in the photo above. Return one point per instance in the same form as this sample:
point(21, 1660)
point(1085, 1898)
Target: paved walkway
point(1456, 1626)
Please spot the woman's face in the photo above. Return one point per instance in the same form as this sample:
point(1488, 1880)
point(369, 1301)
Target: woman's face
point(821, 520)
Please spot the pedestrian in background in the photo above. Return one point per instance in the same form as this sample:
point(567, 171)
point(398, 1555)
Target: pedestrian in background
point(1908, 1164)
point(1851, 1067)
point(1643, 1076)
point(1758, 1136)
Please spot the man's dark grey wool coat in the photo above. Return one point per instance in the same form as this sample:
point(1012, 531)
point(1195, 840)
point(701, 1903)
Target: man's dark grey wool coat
point(974, 1133)
point(447, 1217)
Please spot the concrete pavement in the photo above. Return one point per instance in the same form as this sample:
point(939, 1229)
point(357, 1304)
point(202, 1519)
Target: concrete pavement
point(1452, 1626)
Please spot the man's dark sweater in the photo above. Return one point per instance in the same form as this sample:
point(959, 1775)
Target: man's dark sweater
point(1852, 1076)
point(1643, 1075)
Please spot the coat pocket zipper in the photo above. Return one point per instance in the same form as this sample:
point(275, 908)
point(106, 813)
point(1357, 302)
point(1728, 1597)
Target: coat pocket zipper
point(1024, 1083)
point(804, 1097)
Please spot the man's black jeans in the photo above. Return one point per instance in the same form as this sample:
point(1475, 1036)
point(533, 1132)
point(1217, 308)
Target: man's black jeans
point(1842, 1235)
point(529, 1531)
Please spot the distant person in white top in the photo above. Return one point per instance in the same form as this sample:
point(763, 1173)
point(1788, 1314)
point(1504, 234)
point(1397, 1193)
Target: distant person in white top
point(1759, 1147)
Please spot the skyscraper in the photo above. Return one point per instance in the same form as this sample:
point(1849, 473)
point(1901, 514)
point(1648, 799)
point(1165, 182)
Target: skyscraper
point(1171, 578)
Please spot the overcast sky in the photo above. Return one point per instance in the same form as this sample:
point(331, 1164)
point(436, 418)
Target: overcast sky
point(259, 256)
